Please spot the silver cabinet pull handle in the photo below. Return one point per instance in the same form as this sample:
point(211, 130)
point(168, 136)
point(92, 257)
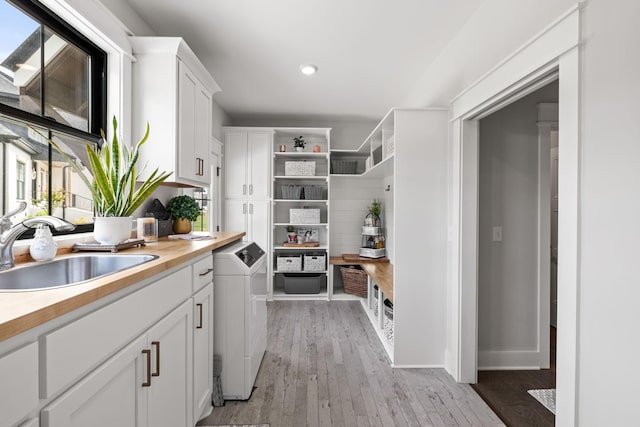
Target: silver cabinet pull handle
point(244, 188)
point(250, 188)
point(251, 208)
point(244, 208)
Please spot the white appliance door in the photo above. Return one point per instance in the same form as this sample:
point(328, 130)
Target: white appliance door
point(256, 336)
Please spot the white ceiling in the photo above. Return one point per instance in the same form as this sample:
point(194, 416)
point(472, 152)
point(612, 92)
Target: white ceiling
point(370, 53)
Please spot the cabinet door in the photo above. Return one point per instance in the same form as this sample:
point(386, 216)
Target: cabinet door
point(260, 152)
point(112, 395)
point(203, 135)
point(170, 394)
point(235, 216)
point(202, 351)
point(187, 91)
point(235, 164)
point(19, 384)
point(259, 222)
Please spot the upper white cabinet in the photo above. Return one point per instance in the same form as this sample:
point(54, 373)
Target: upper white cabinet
point(172, 91)
point(247, 154)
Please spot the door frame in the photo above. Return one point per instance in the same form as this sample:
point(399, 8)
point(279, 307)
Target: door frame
point(215, 190)
point(553, 53)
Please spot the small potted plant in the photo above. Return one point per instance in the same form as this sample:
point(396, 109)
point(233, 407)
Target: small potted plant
point(184, 210)
point(292, 235)
point(299, 143)
point(373, 219)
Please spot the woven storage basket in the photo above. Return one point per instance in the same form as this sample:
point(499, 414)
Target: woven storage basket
point(291, 192)
point(344, 166)
point(312, 192)
point(354, 281)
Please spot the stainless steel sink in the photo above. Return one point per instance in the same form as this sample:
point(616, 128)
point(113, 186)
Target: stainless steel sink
point(68, 271)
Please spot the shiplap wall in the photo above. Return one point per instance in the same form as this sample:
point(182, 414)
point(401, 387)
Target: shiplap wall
point(350, 198)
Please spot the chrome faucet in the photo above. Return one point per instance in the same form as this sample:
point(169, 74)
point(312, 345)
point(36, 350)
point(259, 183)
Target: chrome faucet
point(8, 238)
point(5, 221)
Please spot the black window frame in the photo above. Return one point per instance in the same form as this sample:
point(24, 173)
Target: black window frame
point(97, 93)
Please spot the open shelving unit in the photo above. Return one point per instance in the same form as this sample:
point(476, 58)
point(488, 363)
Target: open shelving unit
point(284, 200)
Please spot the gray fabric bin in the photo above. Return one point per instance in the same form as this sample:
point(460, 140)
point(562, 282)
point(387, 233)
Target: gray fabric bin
point(297, 283)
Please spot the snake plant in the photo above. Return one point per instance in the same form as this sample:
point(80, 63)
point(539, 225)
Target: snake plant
point(113, 166)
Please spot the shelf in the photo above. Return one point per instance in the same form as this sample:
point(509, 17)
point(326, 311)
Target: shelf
point(300, 248)
point(293, 155)
point(301, 272)
point(280, 295)
point(315, 177)
point(382, 169)
point(294, 224)
point(322, 201)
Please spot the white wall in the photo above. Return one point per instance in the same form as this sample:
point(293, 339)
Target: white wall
point(349, 202)
point(508, 315)
point(610, 216)
point(344, 134)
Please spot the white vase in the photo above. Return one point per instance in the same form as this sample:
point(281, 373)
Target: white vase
point(111, 230)
point(299, 149)
point(43, 247)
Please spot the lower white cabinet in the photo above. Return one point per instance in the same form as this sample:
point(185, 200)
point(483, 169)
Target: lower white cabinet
point(202, 352)
point(148, 383)
point(19, 379)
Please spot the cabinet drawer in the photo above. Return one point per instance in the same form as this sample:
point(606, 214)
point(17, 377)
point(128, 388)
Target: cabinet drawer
point(19, 391)
point(73, 350)
point(202, 273)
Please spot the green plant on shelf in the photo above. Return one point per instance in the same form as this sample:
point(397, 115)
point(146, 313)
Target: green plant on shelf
point(299, 141)
point(375, 208)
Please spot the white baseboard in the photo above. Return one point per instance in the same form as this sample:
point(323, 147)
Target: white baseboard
point(508, 360)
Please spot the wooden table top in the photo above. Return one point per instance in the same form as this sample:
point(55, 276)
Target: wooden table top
point(20, 311)
point(379, 269)
point(383, 275)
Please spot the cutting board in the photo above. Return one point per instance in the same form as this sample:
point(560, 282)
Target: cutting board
point(355, 258)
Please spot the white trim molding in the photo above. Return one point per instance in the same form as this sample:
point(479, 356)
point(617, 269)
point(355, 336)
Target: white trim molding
point(552, 53)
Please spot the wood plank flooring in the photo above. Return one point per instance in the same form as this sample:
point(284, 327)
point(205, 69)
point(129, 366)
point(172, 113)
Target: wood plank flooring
point(506, 393)
point(325, 366)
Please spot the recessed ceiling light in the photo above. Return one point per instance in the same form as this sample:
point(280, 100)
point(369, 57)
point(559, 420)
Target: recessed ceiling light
point(308, 69)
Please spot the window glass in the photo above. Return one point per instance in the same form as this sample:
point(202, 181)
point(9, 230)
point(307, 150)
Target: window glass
point(66, 91)
point(54, 186)
point(20, 179)
point(20, 60)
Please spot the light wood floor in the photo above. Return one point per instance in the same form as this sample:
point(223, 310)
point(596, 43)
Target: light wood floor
point(325, 366)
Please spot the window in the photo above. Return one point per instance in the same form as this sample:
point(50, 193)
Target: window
point(20, 177)
point(52, 86)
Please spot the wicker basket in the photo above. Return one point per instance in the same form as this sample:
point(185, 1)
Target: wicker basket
point(348, 167)
point(312, 192)
point(291, 192)
point(354, 281)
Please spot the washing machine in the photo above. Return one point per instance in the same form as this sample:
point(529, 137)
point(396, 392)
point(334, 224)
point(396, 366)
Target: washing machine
point(240, 315)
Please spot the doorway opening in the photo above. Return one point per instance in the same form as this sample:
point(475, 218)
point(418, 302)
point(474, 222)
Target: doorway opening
point(515, 230)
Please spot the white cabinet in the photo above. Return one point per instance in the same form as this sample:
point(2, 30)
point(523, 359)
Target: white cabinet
point(19, 391)
point(202, 351)
point(145, 384)
point(173, 92)
point(250, 216)
point(247, 159)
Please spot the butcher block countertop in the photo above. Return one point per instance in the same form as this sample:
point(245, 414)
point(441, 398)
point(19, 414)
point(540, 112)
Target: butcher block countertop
point(21, 311)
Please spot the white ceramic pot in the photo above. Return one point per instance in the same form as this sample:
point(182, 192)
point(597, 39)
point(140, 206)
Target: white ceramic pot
point(111, 230)
point(43, 247)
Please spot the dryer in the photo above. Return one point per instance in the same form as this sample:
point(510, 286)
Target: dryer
point(240, 315)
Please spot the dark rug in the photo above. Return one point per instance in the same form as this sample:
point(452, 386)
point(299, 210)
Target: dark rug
point(236, 425)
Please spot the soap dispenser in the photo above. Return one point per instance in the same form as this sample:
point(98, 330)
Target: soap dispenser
point(43, 247)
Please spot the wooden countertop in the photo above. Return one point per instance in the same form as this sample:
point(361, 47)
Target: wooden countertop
point(379, 269)
point(383, 275)
point(21, 311)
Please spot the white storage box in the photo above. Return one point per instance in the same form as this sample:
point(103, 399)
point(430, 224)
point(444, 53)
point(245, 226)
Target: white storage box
point(315, 262)
point(304, 216)
point(289, 263)
point(300, 168)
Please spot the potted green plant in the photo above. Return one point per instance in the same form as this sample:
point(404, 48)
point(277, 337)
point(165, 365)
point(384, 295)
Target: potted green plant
point(115, 188)
point(299, 143)
point(373, 218)
point(184, 210)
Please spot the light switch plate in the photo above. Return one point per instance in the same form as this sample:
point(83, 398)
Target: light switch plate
point(497, 234)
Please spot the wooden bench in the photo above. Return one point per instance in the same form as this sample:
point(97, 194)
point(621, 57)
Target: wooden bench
point(379, 270)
